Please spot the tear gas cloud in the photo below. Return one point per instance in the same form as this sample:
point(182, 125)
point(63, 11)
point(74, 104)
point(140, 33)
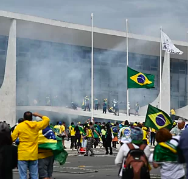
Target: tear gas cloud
point(57, 74)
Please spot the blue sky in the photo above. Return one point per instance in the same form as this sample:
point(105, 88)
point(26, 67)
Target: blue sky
point(145, 16)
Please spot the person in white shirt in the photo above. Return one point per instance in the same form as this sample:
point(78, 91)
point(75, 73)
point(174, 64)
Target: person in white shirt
point(124, 134)
point(136, 137)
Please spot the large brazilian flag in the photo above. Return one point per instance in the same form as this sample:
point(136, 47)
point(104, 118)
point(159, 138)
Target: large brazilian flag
point(137, 79)
point(48, 140)
point(157, 119)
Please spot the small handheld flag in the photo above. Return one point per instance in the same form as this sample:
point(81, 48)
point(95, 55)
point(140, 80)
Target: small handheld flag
point(137, 79)
point(157, 119)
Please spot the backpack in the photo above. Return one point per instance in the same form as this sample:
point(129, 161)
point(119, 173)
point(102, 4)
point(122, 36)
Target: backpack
point(136, 165)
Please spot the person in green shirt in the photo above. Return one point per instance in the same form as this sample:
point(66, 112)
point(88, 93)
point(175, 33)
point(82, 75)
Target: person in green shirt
point(96, 135)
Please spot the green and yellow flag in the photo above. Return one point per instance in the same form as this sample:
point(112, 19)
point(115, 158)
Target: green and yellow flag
point(47, 140)
point(157, 119)
point(137, 79)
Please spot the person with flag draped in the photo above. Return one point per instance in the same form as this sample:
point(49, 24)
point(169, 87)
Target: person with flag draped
point(50, 148)
point(124, 134)
point(137, 79)
point(45, 156)
point(165, 155)
point(115, 135)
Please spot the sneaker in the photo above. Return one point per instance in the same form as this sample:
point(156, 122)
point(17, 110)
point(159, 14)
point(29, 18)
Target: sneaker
point(92, 155)
point(107, 153)
point(111, 153)
point(86, 155)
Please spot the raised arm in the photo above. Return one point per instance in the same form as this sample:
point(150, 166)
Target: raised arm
point(44, 123)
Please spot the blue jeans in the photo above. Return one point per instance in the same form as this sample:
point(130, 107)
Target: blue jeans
point(23, 165)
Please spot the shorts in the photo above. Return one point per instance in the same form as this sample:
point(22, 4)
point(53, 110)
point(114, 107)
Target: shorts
point(62, 136)
point(45, 167)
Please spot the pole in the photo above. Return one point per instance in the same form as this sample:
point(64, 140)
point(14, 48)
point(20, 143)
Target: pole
point(127, 44)
point(92, 67)
point(160, 71)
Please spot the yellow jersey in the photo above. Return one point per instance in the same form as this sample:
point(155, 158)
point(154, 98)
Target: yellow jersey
point(172, 111)
point(44, 153)
point(153, 130)
point(90, 133)
point(72, 131)
point(103, 132)
point(62, 129)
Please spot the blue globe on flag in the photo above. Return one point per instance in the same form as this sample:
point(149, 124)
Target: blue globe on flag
point(48, 133)
point(127, 132)
point(160, 120)
point(141, 79)
point(115, 130)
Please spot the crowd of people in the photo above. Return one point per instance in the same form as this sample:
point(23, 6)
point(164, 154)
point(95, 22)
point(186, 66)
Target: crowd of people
point(19, 146)
point(170, 152)
point(167, 145)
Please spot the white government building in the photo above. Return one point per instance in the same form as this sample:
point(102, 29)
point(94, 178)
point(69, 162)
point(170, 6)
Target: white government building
point(46, 64)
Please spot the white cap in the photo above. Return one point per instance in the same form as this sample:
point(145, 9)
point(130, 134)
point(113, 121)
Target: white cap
point(38, 119)
point(180, 120)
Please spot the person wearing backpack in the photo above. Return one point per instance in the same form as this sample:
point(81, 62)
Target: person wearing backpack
point(133, 157)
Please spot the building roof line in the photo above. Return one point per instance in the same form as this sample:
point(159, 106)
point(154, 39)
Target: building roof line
point(63, 24)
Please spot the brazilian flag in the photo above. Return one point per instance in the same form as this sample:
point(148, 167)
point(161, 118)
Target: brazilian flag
point(157, 119)
point(47, 140)
point(137, 79)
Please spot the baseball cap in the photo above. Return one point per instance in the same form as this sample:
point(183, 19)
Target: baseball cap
point(136, 135)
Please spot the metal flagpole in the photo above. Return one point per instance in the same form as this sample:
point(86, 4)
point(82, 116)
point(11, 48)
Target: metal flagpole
point(160, 75)
point(92, 67)
point(127, 44)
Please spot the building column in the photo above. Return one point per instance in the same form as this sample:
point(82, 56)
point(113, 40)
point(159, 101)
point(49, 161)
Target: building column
point(165, 100)
point(8, 89)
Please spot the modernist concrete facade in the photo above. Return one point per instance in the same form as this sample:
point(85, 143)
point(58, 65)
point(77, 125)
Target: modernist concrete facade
point(67, 46)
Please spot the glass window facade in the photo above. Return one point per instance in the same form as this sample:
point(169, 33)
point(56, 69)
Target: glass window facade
point(56, 74)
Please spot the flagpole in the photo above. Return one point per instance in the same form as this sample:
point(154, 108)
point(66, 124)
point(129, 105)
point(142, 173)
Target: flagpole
point(91, 67)
point(127, 44)
point(160, 71)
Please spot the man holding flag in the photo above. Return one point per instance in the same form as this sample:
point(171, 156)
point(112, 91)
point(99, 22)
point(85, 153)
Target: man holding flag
point(50, 148)
point(165, 152)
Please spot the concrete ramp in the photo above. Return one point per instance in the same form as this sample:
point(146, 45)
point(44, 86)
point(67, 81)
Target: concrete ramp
point(80, 112)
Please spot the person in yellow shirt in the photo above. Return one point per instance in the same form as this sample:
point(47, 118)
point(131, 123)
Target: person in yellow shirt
point(89, 135)
point(63, 134)
point(145, 132)
point(173, 114)
point(27, 132)
point(72, 134)
point(57, 129)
